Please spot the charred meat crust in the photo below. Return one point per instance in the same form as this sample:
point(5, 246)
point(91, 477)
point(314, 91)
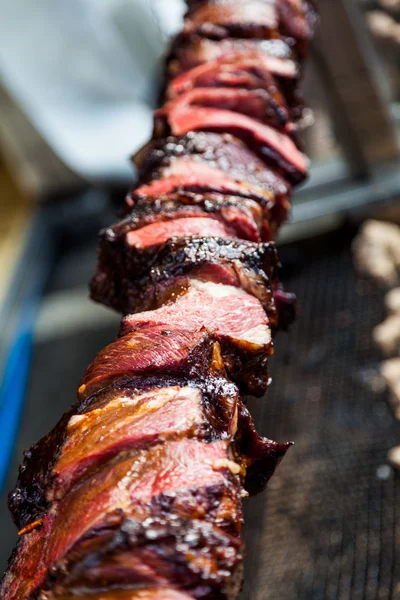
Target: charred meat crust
point(185, 52)
point(238, 72)
point(189, 52)
point(162, 544)
point(27, 501)
point(187, 174)
point(208, 518)
point(265, 105)
point(234, 318)
point(73, 531)
point(278, 151)
point(136, 593)
point(251, 70)
point(219, 20)
point(262, 455)
point(242, 215)
point(292, 20)
point(130, 280)
point(220, 150)
point(172, 351)
point(298, 19)
point(228, 154)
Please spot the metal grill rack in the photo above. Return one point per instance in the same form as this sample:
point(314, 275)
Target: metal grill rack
point(330, 526)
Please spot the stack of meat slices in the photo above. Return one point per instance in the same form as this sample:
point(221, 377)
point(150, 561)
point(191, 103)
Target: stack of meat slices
point(140, 485)
point(136, 493)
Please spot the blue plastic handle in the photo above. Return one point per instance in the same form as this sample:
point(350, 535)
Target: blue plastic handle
point(23, 300)
point(13, 386)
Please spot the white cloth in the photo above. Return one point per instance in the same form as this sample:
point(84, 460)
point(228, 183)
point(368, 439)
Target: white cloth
point(85, 73)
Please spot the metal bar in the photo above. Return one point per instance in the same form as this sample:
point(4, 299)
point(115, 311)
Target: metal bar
point(345, 59)
point(327, 209)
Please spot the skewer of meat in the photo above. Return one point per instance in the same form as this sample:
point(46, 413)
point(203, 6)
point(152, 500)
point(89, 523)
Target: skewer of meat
point(136, 493)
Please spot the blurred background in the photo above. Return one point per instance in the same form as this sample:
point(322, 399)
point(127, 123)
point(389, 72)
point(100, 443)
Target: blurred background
point(78, 83)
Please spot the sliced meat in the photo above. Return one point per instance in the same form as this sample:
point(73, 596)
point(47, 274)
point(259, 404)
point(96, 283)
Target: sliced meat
point(185, 480)
point(158, 233)
point(231, 313)
point(58, 461)
point(230, 155)
point(136, 493)
point(250, 70)
point(242, 215)
point(227, 154)
point(139, 513)
point(130, 280)
point(156, 593)
point(298, 19)
point(174, 471)
point(186, 174)
point(238, 73)
point(236, 319)
point(125, 423)
point(172, 351)
point(195, 556)
point(187, 53)
point(260, 104)
point(293, 19)
point(246, 19)
point(169, 551)
point(277, 149)
point(162, 339)
point(154, 554)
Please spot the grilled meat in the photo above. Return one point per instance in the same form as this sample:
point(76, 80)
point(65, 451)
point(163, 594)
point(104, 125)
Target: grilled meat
point(142, 593)
point(79, 444)
point(189, 53)
point(242, 215)
point(159, 493)
point(130, 279)
point(171, 339)
point(126, 416)
point(298, 20)
point(186, 174)
point(292, 20)
point(225, 153)
point(235, 318)
point(159, 232)
point(264, 105)
point(253, 70)
point(219, 20)
point(138, 457)
point(149, 351)
point(136, 493)
point(277, 149)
